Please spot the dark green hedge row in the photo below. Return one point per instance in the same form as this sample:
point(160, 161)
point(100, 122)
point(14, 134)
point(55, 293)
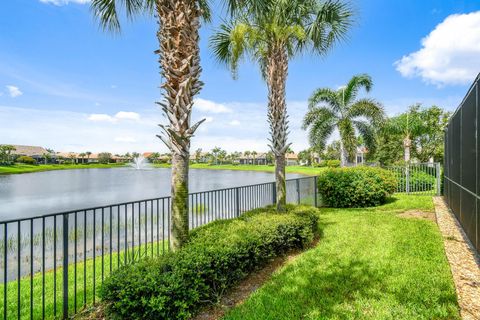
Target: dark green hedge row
point(356, 187)
point(216, 257)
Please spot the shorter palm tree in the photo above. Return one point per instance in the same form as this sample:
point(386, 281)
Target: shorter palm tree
point(339, 109)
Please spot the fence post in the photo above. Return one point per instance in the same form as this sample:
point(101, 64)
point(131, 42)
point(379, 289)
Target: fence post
point(407, 178)
point(65, 266)
point(237, 201)
point(439, 183)
point(274, 193)
point(315, 201)
point(298, 190)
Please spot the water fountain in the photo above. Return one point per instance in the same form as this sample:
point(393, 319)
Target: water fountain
point(139, 163)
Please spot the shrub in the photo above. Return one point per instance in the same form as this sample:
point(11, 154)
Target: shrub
point(418, 181)
point(332, 163)
point(26, 160)
point(356, 187)
point(216, 257)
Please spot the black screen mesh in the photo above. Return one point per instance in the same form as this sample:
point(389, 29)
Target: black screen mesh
point(462, 165)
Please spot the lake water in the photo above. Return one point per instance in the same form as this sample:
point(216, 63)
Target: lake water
point(34, 194)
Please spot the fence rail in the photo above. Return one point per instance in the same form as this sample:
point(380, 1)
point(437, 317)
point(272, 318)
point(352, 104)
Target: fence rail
point(53, 265)
point(417, 178)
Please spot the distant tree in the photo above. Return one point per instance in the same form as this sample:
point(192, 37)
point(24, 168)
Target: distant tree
point(215, 152)
point(46, 157)
point(247, 156)
point(198, 155)
point(222, 156)
point(153, 157)
point(104, 157)
point(254, 156)
point(306, 156)
point(82, 156)
point(6, 154)
point(269, 157)
point(88, 153)
point(332, 151)
point(72, 156)
point(339, 109)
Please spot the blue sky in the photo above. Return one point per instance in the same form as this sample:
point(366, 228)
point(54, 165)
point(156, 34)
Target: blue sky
point(67, 85)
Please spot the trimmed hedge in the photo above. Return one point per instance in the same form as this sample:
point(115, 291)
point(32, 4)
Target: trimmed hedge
point(216, 257)
point(26, 160)
point(356, 187)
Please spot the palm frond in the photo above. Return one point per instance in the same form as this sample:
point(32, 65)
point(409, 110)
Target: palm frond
point(355, 84)
point(107, 11)
point(320, 122)
point(331, 21)
point(368, 133)
point(368, 108)
point(327, 96)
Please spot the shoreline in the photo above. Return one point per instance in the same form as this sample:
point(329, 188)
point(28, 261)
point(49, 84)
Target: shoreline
point(25, 168)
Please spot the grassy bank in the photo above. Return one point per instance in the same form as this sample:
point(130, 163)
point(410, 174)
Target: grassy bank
point(26, 168)
point(248, 167)
point(370, 264)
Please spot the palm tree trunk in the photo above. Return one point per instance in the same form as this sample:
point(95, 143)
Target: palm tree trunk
point(276, 75)
point(180, 66)
point(343, 158)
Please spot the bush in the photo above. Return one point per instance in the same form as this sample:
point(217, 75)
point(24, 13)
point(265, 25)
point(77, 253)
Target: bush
point(216, 257)
point(356, 187)
point(328, 163)
point(418, 181)
point(26, 160)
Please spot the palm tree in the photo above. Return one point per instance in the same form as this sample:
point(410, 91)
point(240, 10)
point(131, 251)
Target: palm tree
point(179, 57)
point(407, 125)
point(88, 153)
point(271, 37)
point(254, 156)
point(339, 109)
point(82, 156)
point(247, 155)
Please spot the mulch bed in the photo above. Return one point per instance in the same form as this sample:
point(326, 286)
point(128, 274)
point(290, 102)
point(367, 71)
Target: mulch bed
point(464, 261)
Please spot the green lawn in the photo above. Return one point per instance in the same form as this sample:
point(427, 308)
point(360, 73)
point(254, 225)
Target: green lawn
point(369, 264)
point(26, 168)
point(249, 167)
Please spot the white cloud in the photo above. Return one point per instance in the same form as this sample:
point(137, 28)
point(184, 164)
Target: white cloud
point(210, 106)
point(14, 91)
point(101, 117)
point(208, 119)
point(124, 115)
point(449, 54)
point(125, 139)
point(234, 123)
point(64, 2)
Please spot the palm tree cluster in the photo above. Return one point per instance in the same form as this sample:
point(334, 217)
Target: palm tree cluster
point(271, 32)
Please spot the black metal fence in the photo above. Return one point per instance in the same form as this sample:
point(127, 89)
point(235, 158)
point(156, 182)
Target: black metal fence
point(462, 164)
point(53, 265)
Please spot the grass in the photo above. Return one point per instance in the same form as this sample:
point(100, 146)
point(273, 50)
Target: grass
point(27, 168)
point(369, 264)
point(249, 167)
point(89, 272)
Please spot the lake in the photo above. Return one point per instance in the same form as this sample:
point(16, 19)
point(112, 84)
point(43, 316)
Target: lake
point(34, 194)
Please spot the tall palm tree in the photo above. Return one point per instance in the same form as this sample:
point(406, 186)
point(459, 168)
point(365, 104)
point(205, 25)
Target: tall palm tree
point(339, 109)
point(271, 37)
point(179, 58)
